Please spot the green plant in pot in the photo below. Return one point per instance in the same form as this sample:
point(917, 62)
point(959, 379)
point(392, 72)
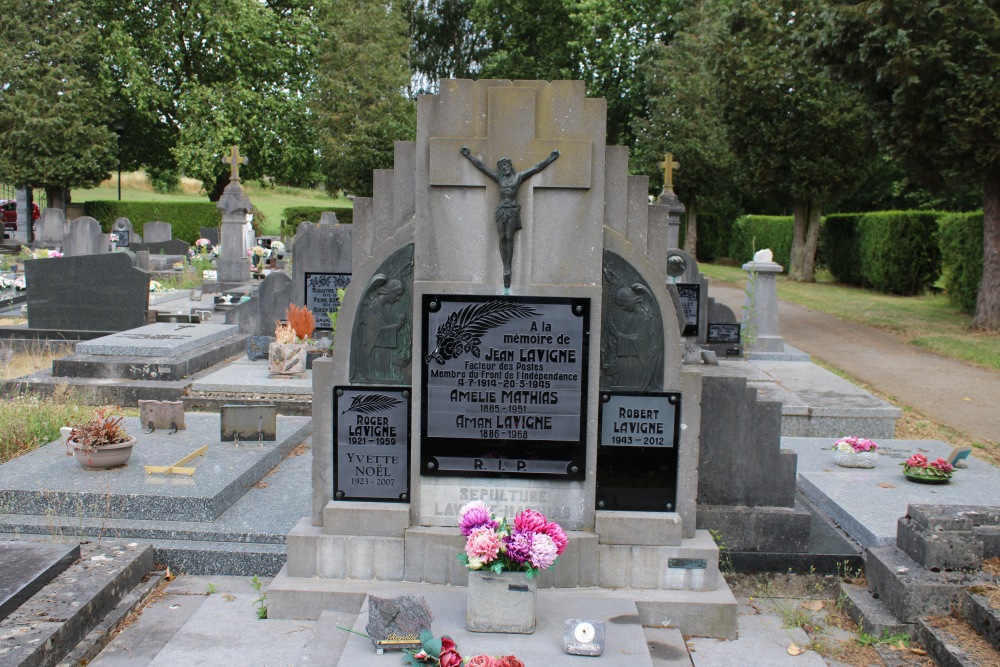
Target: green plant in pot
point(101, 441)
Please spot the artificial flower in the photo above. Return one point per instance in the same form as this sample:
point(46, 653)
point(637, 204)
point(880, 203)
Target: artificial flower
point(475, 515)
point(509, 661)
point(481, 661)
point(543, 551)
point(942, 465)
point(483, 545)
point(916, 461)
point(519, 547)
point(530, 521)
point(449, 656)
point(558, 535)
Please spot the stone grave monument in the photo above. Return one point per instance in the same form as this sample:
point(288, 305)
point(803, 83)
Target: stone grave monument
point(125, 234)
point(233, 265)
point(85, 238)
point(51, 229)
point(321, 263)
point(157, 231)
point(509, 337)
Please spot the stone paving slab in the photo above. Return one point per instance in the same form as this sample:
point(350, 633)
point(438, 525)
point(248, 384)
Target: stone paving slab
point(626, 642)
point(47, 482)
point(762, 641)
point(867, 502)
point(163, 339)
point(25, 567)
point(243, 376)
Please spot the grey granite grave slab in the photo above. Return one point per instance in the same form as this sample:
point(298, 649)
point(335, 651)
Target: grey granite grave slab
point(868, 502)
point(243, 376)
point(157, 231)
point(162, 339)
point(625, 641)
point(25, 567)
point(47, 482)
point(90, 293)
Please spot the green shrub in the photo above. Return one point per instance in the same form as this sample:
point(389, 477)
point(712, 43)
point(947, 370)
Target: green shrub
point(962, 257)
point(293, 216)
point(714, 236)
point(898, 250)
point(186, 218)
point(839, 247)
point(757, 232)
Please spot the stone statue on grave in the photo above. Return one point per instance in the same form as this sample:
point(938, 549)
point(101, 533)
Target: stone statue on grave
point(508, 213)
point(383, 329)
point(632, 336)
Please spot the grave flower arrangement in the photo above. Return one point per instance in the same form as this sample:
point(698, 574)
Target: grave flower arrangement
point(529, 544)
point(101, 441)
point(443, 652)
point(855, 452)
point(287, 354)
point(919, 469)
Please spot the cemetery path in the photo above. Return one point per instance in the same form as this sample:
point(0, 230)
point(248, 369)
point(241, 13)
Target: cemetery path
point(959, 395)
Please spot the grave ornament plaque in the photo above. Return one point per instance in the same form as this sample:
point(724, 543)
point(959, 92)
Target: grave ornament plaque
point(637, 452)
point(396, 622)
point(690, 294)
point(728, 333)
point(504, 386)
point(371, 445)
point(321, 295)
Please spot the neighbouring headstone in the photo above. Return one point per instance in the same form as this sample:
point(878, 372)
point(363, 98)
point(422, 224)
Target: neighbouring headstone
point(328, 218)
point(52, 228)
point(85, 238)
point(157, 231)
point(25, 212)
point(89, 293)
point(210, 233)
point(233, 265)
point(171, 247)
point(321, 263)
point(396, 622)
point(124, 233)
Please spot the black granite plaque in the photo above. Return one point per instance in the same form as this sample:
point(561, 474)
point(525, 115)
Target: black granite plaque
point(263, 241)
point(690, 295)
point(504, 386)
point(637, 452)
point(724, 333)
point(321, 295)
point(123, 239)
point(371, 443)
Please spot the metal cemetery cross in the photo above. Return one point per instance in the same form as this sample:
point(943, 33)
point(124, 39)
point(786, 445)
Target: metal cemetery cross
point(514, 132)
point(234, 160)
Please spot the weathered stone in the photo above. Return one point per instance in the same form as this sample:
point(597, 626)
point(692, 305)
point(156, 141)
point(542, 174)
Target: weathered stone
point(162, 415)
point(257, 347)
point(157, 231)
point(84, 238)
point(396, 622)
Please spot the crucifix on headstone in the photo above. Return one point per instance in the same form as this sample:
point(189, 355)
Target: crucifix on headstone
point(669, 165)
point(234, 160)
point(508, 212)
point(510, 129)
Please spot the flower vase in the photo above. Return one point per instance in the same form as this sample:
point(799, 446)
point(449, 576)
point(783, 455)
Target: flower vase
point(104, 456)
point(502, 602)
point(286, 358)
point(855, 459)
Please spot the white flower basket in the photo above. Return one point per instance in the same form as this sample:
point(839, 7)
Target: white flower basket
point(855, 459)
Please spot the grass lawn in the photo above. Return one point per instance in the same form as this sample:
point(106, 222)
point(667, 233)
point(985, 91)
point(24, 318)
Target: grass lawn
point(929, 321)
point(270, 201)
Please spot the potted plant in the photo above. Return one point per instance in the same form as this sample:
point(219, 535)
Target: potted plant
point(918, 469)
point(287, 354)
point(855, 452)
point(503, 559)
point(101, 441)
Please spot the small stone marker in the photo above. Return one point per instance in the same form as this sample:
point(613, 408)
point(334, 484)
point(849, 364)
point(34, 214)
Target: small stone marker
point(257, 347)
point(724, 333)
point(162, 414)
point(583, 637)
point(396, 622)
point(248, 422)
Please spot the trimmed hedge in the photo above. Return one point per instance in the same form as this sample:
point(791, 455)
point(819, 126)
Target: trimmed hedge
point(839, 247)
point(962, 257)
point(293, 216)
point(186, 218)
point(714, 236)
point(757, 232)
point(898, 251)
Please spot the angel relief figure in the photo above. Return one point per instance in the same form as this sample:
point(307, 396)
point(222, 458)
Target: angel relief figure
point(632, 340)
point(380, 347)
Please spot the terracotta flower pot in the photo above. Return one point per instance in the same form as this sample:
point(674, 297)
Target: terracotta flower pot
point(105, 456)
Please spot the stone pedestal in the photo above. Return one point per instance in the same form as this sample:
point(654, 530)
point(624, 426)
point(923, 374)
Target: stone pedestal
point(760, 316)
point(233, 265)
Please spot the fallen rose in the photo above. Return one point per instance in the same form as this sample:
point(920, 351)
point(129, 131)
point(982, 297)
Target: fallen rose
point(481, 661)
point(509, 661)
point(449, 656)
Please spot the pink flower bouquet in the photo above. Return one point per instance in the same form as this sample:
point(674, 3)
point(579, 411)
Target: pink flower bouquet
point(530, 544)
point(919, 468)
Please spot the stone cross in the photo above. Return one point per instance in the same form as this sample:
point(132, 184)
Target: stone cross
point(234, 160)
point(669, 165)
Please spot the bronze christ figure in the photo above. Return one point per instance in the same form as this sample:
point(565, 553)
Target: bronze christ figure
point(508, 213)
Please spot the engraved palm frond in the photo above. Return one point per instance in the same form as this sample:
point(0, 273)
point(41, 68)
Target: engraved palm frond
point(369, 403)
point(463, 330)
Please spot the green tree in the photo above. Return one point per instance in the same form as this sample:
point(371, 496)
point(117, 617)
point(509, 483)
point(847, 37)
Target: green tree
point(798, 133)
point(685, 114)
point(444, 42)
point(929, 70)
point(55, 119)
point(362, 104)
point(222, 72)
